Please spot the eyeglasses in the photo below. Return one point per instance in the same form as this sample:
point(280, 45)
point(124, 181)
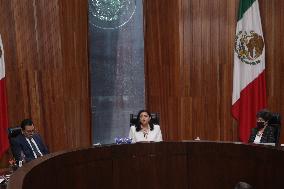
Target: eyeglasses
point(30, 131)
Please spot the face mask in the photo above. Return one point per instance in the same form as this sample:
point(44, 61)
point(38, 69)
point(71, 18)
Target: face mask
point(260, 125)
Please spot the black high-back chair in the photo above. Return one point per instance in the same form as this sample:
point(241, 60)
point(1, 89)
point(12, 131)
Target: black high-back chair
point(12, 133)
point(275, 122)
point(155, 119)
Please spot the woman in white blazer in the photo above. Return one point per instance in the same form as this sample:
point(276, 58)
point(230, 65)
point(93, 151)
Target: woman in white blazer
point(144, 130)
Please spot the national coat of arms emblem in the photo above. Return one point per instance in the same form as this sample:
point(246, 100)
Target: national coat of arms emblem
point(111, 14)
point(249, 47)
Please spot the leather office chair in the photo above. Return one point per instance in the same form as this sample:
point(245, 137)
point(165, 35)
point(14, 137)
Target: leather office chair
point(155, 119)
point(275, 122)
point(14, 131)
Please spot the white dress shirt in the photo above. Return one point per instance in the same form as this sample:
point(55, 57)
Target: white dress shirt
point(257, 139)
point(155, 135)
point(33, 141)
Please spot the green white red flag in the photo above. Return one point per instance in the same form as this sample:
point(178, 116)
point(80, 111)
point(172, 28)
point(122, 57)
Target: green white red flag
point(4, 142)
point(249, 86)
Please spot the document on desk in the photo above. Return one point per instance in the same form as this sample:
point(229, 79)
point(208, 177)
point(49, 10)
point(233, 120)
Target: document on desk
point(267, 144)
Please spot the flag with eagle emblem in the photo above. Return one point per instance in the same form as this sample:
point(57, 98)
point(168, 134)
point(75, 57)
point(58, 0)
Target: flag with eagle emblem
point(249, 87)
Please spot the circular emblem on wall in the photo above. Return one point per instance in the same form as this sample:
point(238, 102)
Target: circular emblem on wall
point(111, 14)
point(249, 47)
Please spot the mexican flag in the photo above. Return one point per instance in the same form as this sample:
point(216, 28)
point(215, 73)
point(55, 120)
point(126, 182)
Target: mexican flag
point(249, 88)
point(4, 143)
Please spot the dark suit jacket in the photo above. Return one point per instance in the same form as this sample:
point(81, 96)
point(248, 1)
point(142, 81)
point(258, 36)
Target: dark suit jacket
point(20, 147)
point(268, 135)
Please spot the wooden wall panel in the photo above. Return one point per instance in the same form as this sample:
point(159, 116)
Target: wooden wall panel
point(188, 56)
point(46, 56)
point(189, 76)
point(272, 19)
point(162, 50)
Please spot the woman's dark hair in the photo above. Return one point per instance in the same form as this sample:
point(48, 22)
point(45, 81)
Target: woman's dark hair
point(243, 185)
point(264, 114)
point(138, 123)
point(26, 122)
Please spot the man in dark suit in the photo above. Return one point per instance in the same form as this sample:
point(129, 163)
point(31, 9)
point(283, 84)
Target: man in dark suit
point(28, 145)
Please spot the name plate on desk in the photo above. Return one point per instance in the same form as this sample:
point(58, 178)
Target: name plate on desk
point(267, 144)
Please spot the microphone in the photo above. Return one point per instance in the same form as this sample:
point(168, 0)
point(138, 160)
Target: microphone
point(145, 134)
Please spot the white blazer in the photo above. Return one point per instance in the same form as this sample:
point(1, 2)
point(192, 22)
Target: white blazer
point(155, 135)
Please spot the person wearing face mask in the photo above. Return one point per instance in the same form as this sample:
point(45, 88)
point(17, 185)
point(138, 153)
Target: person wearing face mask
point(28, 145)
point(263, 133)
point(144, 130)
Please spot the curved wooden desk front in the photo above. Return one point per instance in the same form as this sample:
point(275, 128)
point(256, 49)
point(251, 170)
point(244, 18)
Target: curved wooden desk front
point(190, 165)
